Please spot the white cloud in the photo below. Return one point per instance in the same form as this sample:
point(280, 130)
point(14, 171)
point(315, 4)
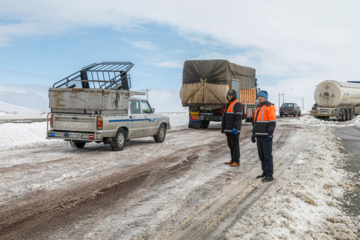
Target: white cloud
point(170, 64)
point(303, 42)
point(144, 45)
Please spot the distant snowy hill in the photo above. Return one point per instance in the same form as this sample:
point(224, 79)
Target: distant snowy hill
point(24, 99)
point(15, 109)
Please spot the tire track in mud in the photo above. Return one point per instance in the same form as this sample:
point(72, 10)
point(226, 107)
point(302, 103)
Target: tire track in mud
point(218, 216)
point(47, 211)
point(33, 215)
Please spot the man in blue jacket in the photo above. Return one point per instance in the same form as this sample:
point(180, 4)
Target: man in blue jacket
point(263, 130)
point(231, 126)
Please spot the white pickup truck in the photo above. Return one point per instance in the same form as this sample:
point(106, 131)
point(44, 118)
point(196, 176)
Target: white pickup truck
point(106, 114)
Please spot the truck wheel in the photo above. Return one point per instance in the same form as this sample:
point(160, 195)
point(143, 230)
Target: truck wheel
point(119, 141)
point(349, 115)
point(345, 115)
point(160, 136)
point(299, 114)
point(204, 124)
point(75, 144)
point(342, 118)
point(194, 124)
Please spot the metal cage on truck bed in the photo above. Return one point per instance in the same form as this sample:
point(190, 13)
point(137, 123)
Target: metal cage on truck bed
point(105, 75)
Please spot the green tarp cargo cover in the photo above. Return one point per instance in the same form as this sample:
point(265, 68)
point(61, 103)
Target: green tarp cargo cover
point(217, 72)
point(205, 82)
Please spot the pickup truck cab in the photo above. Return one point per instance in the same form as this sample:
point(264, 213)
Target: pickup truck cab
point(96, 105)
point(141, 121)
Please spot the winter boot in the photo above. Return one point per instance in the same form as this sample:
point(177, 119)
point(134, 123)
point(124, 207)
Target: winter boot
point(268, 179)
point(235, 164)
point(260, 176)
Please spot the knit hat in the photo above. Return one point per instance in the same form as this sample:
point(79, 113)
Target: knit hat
point(263, 94)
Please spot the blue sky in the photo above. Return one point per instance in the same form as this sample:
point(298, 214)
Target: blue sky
point(293, 45)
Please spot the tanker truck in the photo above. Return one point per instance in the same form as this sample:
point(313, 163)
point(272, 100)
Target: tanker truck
point(340, 100)
point(204, 87)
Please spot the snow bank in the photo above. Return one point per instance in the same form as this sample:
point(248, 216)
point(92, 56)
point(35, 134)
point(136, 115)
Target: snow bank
point(178, 120)
point(308, 120)
point(304, 202)
point(24, 135)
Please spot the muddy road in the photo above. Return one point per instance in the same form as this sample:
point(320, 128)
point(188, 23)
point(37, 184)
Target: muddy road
point(179, 189)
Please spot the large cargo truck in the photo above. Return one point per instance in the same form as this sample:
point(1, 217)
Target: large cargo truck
point(95, 104)
point(204, 87)
point(335, 99)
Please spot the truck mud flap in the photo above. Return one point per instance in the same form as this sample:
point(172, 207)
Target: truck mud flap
point(194, 124)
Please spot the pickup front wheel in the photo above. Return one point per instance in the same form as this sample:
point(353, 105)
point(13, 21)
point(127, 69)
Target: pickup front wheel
point(118, 142)
point(160, 136)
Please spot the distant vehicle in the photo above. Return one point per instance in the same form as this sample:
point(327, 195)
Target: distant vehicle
point(289, 109)
point(95, 105)
point(204, 87)
point(340, 100)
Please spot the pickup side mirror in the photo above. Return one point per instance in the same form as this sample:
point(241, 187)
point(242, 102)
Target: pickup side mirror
point(152, 110)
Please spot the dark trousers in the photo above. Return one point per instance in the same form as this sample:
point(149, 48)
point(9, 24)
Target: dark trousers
point(265, 154)
point(233, 143)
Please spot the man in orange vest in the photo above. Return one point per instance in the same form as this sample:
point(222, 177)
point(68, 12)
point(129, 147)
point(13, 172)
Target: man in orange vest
point(231, 126)
point(263, 129)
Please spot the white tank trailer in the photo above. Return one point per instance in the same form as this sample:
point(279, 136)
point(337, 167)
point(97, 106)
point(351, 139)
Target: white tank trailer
point(336, 99)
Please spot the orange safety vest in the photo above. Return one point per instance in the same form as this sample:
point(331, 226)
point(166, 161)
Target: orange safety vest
point(264, 120)
point(265, 114)
point(230, 109)
point(231, 119)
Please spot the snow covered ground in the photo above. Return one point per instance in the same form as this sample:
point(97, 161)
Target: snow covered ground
point(303, 203)
point(25, 135)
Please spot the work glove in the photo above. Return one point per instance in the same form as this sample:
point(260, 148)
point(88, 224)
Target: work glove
point(235, 132)
point(269, 137)
point(253, 138)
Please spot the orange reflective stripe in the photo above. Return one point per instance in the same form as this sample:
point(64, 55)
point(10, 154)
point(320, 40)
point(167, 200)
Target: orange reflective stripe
point(232, 105)
point(265, 114)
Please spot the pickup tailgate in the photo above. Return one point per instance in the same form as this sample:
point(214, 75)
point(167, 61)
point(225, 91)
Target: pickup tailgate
point(75, 123)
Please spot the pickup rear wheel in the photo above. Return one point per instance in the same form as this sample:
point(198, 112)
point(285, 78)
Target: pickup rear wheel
point(76, 144)
point(119, 141)
point(160, 136)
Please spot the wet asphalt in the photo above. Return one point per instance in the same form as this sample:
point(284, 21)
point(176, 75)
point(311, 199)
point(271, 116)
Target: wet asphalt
point(350, 139)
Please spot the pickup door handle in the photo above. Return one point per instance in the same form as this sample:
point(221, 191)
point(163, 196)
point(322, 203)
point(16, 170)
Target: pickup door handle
point(132, 117)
